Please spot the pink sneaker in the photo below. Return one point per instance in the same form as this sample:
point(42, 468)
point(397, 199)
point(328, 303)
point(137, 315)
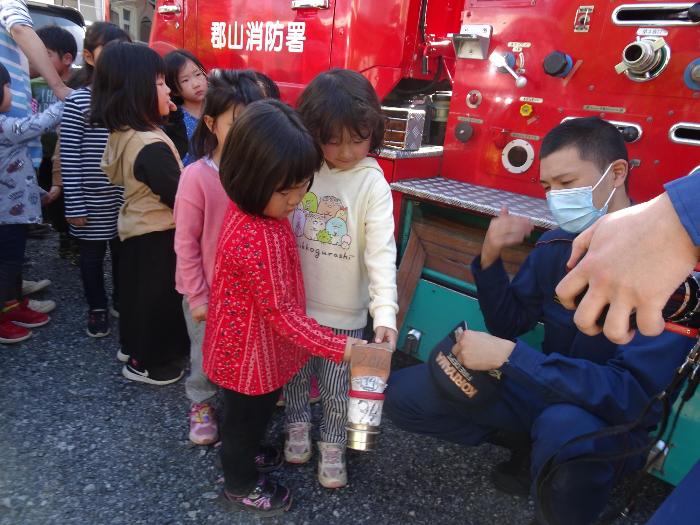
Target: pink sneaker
point(314, 392)
point(203, 428)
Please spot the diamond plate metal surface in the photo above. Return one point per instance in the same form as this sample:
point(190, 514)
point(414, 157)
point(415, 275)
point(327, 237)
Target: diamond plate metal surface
point(425, 151)
point(477, 198)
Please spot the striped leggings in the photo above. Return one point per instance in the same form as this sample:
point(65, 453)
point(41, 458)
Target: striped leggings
point(333, 382)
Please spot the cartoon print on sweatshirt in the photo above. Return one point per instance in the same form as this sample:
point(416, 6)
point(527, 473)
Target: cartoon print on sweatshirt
point(322, 219)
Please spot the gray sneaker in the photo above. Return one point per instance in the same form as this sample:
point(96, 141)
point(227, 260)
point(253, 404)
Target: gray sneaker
point(332, 472)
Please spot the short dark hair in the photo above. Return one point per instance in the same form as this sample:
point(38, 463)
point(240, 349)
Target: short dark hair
point(174, 61)
point(268, 149)
point(342, 99)
point(4, 80)
point(268, 85)
point(58, 39)
point(124, 94)
point(98, 34)
point(4, 76)
point(227, 88)
point(595, 139)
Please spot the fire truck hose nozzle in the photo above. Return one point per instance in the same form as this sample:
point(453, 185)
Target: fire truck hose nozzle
point(641, 56)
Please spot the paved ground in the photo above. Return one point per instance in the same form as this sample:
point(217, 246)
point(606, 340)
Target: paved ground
point(80, 444)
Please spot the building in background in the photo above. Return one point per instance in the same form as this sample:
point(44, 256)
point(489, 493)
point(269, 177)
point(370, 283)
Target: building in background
point(133, 16)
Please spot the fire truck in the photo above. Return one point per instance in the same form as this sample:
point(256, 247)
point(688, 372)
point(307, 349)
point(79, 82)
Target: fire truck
point(470, 88)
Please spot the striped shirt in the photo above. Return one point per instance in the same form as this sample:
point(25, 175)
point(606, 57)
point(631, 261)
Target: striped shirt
point(87, 191)
point(15, 12)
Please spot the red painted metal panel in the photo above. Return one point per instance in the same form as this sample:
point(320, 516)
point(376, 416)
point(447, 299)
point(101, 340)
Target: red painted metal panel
point(594, 88)
point(168, 30)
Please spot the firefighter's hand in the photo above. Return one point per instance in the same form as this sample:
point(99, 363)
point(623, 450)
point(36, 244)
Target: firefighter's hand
point(634, 260)
point(504, 230)
point(482, 351)
point(78, 222)
point(383, 334)
point(199, 314)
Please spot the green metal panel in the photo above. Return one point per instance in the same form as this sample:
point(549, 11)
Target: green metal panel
point(684, 449)
point(436, 309)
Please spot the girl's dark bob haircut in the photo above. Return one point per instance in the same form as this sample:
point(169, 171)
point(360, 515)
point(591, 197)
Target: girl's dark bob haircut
point(124, 94)
point(268, 149)
point(227, 88)
point(342, 99)
point(174, 61)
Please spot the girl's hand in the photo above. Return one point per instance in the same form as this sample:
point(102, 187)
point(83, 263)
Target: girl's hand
point(199, 314)
point(78, 222)
point(348, 347)
point(53, 194)
point(383, 334)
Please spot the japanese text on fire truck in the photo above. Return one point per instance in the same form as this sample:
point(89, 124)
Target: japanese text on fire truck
point(270, 37)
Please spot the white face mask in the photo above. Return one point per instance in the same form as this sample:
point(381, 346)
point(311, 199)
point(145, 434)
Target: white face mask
point(573, 208)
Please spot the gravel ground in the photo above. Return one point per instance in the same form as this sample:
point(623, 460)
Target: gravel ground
point(81, 444)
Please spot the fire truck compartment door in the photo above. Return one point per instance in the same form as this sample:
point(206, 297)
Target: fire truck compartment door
point(288, 40)
point(168, 26)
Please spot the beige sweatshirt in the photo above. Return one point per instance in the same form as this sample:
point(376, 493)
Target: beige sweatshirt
point(344, 228)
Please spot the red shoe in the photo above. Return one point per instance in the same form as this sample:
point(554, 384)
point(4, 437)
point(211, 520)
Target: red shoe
point(11, 333)
point(22, 315)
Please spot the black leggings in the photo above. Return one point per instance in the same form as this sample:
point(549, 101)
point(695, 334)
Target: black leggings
point(13, 241)
point(151, 321)
point(243, 424)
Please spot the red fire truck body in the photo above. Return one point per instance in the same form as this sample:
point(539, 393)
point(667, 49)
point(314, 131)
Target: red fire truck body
point(482, 81)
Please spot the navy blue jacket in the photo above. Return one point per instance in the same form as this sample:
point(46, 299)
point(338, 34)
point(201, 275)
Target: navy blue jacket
point(613, 382)
point(684, 194)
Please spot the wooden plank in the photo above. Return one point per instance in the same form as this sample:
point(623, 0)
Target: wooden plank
point(463, 240)
point(412, 264)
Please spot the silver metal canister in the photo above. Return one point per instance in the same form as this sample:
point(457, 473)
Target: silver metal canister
point(369, 369)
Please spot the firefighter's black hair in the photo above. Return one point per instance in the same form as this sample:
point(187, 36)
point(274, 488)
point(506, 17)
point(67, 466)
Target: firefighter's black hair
point(58, 39)
point(98, 34)
point(124, 93)
point(596, 140)
point(174, 62)
point(268, 149)
point(342, 99)
point(227, 88)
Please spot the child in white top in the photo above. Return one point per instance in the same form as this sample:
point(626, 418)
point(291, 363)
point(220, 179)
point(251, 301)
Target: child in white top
point(345, 234)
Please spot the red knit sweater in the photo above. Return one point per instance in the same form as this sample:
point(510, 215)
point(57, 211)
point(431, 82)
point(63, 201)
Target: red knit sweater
point(258, 335)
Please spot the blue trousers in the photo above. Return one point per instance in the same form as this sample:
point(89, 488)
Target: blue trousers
point(577, 493)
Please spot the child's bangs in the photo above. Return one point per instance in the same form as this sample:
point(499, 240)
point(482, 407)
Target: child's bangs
point(357, 120)
point(297, 163)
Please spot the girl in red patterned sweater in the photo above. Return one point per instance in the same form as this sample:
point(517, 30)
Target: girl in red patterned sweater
point(258, 335)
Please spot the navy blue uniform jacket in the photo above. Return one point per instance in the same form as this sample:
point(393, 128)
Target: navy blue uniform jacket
point(613, 382)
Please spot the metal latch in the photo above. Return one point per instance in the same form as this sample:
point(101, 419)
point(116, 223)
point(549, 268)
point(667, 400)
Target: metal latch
point(413, 337)
point(657, 457)
point(169, 9)
point(310, 4)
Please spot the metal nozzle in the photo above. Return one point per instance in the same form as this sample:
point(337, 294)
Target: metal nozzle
point(641, 56)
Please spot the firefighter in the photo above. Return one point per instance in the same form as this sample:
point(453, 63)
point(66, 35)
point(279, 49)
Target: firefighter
point(578, 383)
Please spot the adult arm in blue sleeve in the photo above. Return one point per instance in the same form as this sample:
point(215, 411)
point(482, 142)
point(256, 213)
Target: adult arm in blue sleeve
point(685, 194)
point(616, 391)
point(509, 308)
